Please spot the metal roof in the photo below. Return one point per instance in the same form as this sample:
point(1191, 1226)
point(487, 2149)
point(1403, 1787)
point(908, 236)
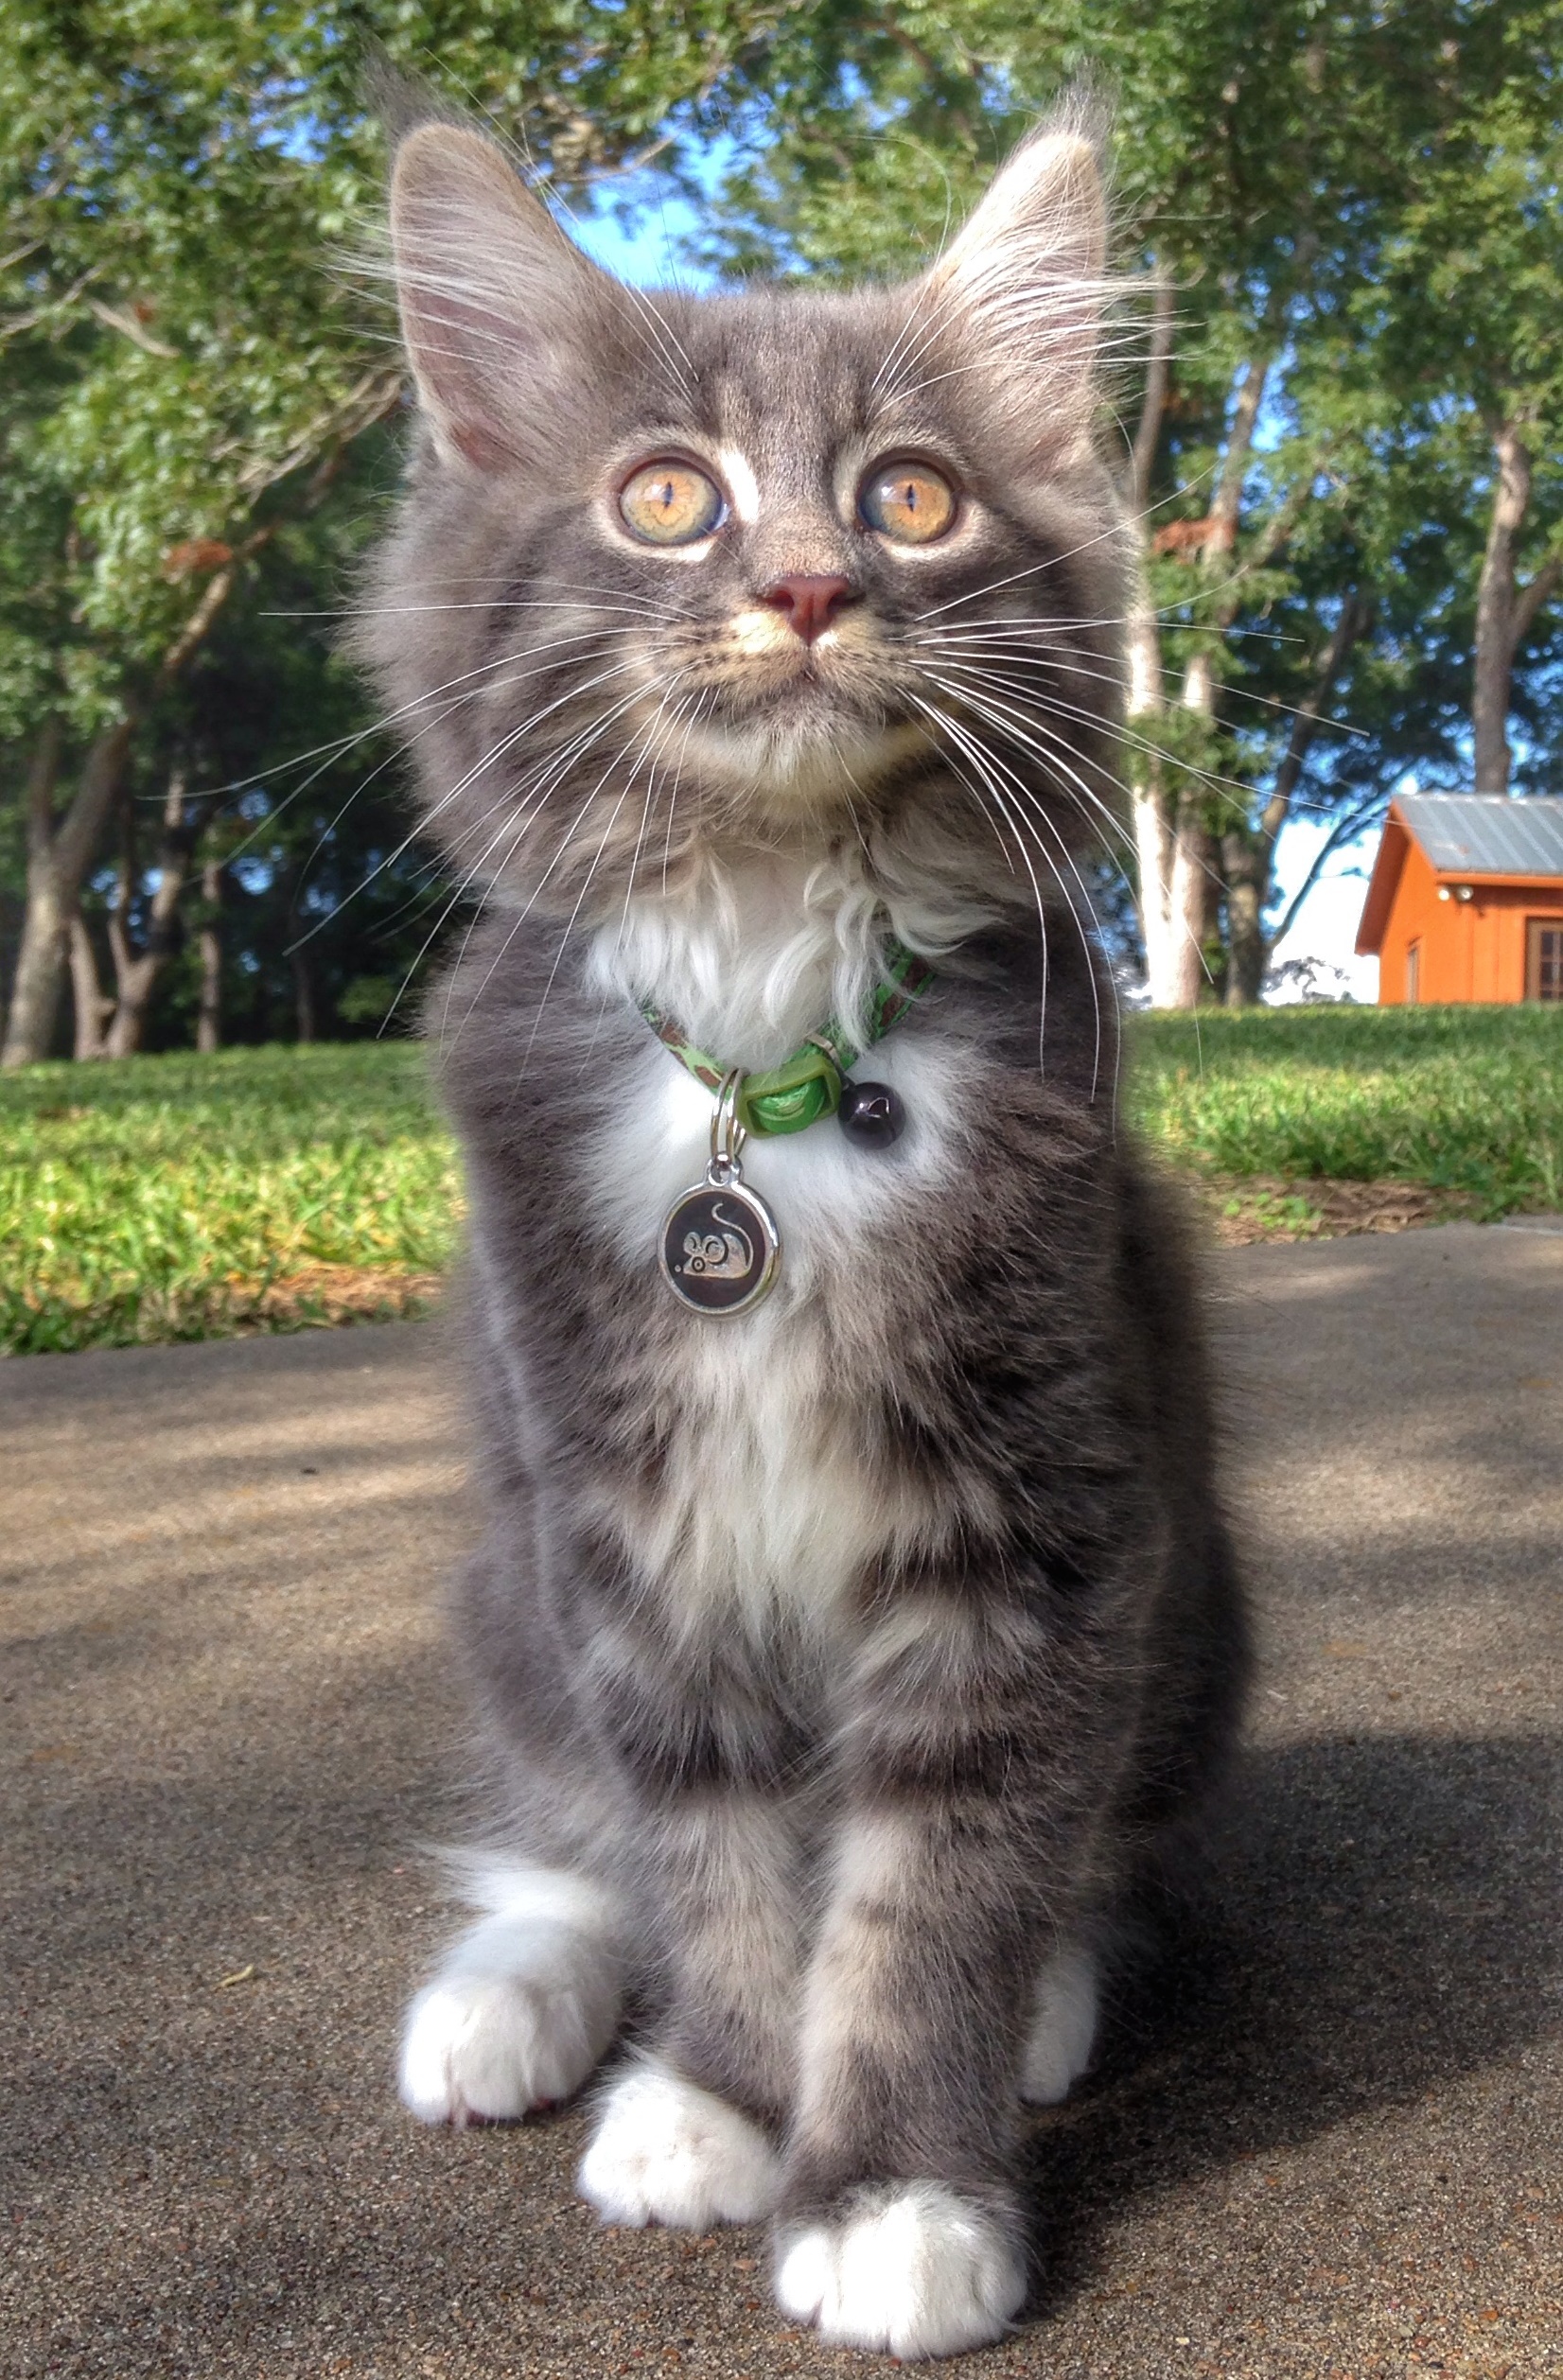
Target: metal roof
point(1489, 834)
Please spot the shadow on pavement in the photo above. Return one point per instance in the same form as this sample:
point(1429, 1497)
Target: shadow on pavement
point(1382, 1921)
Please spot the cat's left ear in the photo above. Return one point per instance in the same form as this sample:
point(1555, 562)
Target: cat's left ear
point(1027, 270)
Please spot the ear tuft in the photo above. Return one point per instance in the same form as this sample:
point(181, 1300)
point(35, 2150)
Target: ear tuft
point(490, 290)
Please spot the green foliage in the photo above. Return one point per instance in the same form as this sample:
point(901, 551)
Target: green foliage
point(178, 182)
point(1466, 1099)
point(199, 355)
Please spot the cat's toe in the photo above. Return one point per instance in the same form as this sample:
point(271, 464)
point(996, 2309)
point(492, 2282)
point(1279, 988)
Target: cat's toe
point(666, 2152)
point(489, 2047)
point(911, 2270)
point(1063, 2028)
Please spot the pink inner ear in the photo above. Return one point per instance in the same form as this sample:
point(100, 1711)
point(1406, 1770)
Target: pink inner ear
point(461, 375)
point(484, 451)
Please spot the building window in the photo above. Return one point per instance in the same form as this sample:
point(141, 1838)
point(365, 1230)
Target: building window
point(1413, 973)
point(1544, 958)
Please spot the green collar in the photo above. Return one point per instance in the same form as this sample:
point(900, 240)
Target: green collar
point(808, 1084)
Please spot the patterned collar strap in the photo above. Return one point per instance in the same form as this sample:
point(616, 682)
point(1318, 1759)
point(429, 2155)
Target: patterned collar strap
point(808, 1084)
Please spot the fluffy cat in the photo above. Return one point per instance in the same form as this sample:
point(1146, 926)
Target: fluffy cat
point(849, 1663)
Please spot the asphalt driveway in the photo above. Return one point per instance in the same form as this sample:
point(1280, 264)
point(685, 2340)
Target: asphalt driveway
point(1333, 2147)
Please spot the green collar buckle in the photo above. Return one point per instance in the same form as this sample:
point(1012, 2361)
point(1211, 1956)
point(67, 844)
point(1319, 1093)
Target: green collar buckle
point(793, 1095)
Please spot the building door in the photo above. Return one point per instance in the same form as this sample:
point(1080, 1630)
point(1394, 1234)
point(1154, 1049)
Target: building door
point(1414, 973)
point(1544, 958)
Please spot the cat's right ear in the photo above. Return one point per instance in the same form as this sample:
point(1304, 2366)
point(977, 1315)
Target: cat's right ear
point(1026, 275)
point(492, 295)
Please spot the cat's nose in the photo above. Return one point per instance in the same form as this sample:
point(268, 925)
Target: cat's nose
point(810, 605)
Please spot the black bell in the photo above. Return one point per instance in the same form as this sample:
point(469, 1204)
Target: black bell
point(871, 1114)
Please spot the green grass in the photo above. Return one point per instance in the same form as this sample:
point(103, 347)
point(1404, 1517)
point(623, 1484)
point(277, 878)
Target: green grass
point(1466, 1099)
point(181, 1197)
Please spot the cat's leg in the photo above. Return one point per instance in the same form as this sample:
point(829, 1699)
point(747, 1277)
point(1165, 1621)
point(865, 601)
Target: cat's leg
point(671, 2145)
point(523, 2005)
point(1063, 2026)
point(968, 1842)
point(900, 2229)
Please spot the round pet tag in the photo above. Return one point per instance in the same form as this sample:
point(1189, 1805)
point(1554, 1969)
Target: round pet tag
point(720, 1248)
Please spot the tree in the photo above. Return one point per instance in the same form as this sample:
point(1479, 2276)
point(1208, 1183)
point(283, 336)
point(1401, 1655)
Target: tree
point(1464, 310)
point(187, 375)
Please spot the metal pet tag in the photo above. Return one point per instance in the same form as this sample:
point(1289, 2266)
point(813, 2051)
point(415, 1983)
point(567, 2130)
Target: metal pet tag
point(720, 1248)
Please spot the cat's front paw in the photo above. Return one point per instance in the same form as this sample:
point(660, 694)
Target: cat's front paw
point(489, 2038)
point(912, 2270)
point(666, 2152)
point(490, 2047)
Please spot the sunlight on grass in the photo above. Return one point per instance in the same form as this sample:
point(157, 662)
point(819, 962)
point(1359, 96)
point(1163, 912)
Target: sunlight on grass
point(183, 1198)
point(170, 1198)
point(1464, 1099)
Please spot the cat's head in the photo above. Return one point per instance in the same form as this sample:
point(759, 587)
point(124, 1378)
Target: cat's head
point(675, 572)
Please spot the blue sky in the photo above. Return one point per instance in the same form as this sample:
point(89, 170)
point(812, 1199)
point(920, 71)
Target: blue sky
point(647, 255)
point(1326, 924)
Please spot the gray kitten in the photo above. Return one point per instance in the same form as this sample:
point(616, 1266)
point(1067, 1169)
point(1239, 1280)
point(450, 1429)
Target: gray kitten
point(855, 1645)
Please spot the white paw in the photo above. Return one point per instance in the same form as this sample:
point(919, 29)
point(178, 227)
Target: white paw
point(666, 2152)
point(922, 2272)
point(1063, 2028)
point(521, 2011)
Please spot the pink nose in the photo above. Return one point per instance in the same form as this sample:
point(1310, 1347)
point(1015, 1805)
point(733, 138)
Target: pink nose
point(810, 604)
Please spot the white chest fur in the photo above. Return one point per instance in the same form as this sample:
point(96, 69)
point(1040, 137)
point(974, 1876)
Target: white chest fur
point(767, 1502)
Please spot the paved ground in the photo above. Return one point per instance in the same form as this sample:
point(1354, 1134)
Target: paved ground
point(1334, 2149)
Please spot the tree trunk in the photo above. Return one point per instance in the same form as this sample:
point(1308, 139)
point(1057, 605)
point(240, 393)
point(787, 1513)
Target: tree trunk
point(1504, 609)
point(1226, 504)
point(93, 1007)
point(64, 857)
point(1245, 863)
point(137, 971)
point(1148, 797)
point(1495, 608)
point(65, 853)
point(1188, 904)
point(35, 993)
point(1173, 845)
point(304, 995)
point(1248, 853)
point(209, 1022)
point(1167, 862)
point(1191, 882)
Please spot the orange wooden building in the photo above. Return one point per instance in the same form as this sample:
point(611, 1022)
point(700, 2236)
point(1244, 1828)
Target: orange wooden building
point(1465, 899)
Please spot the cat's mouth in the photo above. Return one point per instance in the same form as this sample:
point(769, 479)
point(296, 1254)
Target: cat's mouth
point(837, 680)
point(803, 754)
point(763, 715)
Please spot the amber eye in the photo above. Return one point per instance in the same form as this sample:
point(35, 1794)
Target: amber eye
point(909, 502)
point(670, 504)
